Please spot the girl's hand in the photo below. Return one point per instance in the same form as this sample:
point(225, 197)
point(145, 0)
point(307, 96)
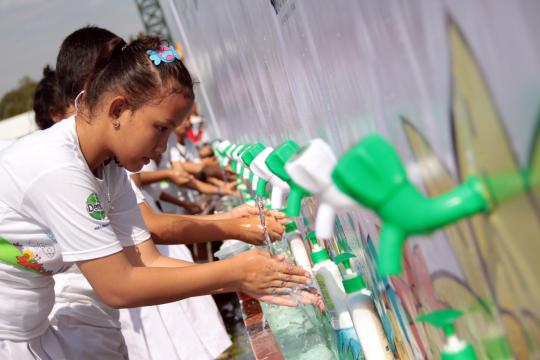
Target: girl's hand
point(302, 296)
point(244, 210)
point(247, 210)
point(260, 272)
point(249, 229)
point(225, 190)
point(179, 178)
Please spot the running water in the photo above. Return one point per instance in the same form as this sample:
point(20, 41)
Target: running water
point(262, 217)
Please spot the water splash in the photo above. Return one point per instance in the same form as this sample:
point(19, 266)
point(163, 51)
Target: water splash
point(262, 218)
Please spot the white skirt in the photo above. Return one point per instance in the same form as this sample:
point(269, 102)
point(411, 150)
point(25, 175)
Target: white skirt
point(44, 347)
point(187, 329)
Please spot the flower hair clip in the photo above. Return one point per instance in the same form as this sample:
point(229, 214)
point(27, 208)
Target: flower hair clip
point(166, 53)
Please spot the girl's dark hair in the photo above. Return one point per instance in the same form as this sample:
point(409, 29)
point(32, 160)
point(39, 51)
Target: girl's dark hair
point(77, 58)
point(127, 69)
point(46, 99)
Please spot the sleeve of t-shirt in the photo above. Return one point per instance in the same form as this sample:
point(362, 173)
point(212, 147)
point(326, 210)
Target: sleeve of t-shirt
point(138, 193)
point(126, 218)
point(71, 206)
point(173, 153)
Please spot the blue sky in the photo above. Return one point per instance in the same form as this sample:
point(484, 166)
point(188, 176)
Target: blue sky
point(31, 31)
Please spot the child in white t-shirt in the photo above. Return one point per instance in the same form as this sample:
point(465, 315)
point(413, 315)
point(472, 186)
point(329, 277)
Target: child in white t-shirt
point(64, 199)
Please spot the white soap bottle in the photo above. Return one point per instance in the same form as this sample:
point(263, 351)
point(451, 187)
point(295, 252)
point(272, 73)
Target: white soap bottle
point(363, 313)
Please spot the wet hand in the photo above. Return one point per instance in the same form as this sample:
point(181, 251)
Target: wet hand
point(250, 230)
point(263, 273)
point(244, 210)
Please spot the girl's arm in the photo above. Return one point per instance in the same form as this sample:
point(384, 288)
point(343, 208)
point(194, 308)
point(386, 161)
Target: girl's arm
point(168, 229)
point(121, 284)
point(177, 177)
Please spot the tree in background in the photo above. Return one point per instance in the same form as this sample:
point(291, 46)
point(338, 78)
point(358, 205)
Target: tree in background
point(19, 100)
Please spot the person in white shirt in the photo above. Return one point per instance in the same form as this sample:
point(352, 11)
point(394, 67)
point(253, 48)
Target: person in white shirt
point(64, 200)
point(5, 143)
point(78, 312)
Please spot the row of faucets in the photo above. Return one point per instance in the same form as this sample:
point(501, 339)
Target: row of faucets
point(369, 174)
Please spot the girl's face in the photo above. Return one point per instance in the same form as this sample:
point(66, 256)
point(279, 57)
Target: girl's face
point(143, 134)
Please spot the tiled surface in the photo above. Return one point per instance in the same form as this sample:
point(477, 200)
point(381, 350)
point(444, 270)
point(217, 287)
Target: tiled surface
point(262, 342)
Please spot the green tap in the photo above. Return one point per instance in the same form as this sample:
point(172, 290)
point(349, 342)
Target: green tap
point(231, 150)
point(276, 163)
point(372, 173)
point(240, 174)
point(454, 349)
point(247, 158)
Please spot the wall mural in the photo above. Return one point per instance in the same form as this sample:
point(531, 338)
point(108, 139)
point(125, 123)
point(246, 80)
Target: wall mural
point(456, 94)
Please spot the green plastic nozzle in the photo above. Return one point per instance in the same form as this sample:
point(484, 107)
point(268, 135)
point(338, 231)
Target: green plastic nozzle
point(372, 173)
point(318, 253)
point(352, 282)
point(251, 153)
point(240, 173)
point(275, 162)
point(234, 164)
point(445, 320)
point(504, 186)
point(247, 157)
point(224, 153)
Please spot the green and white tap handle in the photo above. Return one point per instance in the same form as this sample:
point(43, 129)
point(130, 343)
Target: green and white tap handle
point(372, 174)
point(276, 161)
point(311, 168)
point(259, 186)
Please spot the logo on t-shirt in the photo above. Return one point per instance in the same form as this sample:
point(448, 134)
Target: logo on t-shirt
point(94, 207)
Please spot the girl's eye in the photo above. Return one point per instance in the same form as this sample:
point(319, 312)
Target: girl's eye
point(161, 129)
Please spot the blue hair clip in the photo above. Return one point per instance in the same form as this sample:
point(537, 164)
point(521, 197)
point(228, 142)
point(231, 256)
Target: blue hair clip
point(166, 53)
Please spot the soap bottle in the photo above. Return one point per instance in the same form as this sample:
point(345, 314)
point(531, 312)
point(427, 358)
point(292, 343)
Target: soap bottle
point(454, 348)
point(297, 247)
point(363, 313)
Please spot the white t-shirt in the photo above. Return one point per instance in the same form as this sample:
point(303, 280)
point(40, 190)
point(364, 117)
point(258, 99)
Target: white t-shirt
point(176, 151)
point(55, 212)
point(5, 143)
point(76, 298)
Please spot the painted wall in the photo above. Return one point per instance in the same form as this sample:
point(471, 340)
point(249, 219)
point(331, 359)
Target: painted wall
point(454, 85)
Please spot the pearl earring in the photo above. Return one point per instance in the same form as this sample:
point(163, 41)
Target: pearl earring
point(116, 124)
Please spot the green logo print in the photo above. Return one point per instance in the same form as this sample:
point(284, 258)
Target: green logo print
point(94, 208)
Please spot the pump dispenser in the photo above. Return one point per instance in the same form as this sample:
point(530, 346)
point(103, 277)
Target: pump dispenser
point(454, 349)
point(311, 168)
point(330, 283)
point(363, 313)
point(276, 163)
point(372, 173)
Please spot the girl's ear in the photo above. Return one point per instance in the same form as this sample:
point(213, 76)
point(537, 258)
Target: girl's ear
point(117, 107)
